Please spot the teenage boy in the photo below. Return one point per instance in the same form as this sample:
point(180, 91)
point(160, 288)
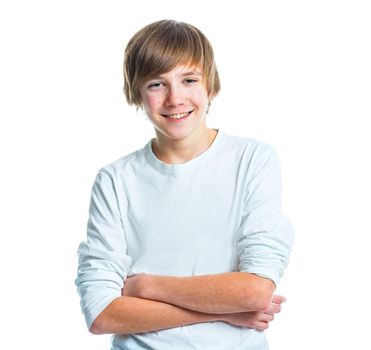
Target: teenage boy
point(186, 239)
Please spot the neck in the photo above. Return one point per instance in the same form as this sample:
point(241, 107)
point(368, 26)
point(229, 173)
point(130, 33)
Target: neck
point(172, 151)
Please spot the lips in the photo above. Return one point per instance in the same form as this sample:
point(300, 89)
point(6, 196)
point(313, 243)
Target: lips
point(177, 116)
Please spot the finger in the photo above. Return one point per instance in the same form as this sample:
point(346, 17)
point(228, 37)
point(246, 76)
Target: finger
point(261, 326)
point(266, 317)
point(278, 299)
point(273, 309)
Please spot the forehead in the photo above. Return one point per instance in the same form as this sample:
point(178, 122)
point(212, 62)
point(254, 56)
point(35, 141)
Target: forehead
point(182, 70)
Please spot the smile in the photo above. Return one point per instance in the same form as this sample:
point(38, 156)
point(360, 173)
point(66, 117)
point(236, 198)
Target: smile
point(178, 116)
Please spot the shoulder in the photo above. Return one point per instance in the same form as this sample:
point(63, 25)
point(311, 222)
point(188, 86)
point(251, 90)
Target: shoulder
point(124, 165)
point(248, 147)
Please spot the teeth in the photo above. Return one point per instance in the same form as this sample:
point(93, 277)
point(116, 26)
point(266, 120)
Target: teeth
point(177, 116)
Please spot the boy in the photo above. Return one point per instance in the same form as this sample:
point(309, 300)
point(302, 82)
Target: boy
point(186, 238)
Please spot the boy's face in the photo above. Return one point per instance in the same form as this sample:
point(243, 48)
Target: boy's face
point(176, 102)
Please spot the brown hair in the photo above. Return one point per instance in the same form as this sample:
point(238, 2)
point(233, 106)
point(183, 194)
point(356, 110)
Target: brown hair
point(161, 46)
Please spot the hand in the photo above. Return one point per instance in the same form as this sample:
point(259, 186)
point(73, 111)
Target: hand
point(256, 319)
point(132, 286)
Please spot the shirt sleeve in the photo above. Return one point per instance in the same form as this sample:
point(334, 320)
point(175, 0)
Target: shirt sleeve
point(103, 259)
point(266, 236)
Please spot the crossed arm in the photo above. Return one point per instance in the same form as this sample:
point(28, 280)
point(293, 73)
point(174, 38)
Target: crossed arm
point(151, 303)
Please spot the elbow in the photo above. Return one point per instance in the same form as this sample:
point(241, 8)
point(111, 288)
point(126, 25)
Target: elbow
point(98, 326)
point(106, 322)
point(102, 325)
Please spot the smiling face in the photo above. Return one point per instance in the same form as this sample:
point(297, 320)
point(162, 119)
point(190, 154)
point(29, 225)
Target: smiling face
point(176, 102)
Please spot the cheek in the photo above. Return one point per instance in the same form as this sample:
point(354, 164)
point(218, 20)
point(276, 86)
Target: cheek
point(154, 101)
point(201, 98)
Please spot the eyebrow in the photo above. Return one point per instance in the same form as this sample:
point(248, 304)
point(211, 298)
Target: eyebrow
point(190, 72)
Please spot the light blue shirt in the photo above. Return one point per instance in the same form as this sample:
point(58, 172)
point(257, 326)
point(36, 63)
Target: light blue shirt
point(219, 212)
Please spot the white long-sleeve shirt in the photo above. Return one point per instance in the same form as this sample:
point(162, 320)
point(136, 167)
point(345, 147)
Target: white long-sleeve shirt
point(219, 212)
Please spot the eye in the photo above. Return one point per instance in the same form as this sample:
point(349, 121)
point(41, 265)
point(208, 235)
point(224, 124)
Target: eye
point(155, 85)
point(191, 81)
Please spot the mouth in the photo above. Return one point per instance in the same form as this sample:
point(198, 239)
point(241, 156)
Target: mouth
point(177, 117)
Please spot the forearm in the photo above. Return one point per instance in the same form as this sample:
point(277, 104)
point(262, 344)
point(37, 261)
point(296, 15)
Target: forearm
point(217, 294)
point(127, 315)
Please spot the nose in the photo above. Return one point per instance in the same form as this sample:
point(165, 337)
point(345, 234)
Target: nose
point(175, 96)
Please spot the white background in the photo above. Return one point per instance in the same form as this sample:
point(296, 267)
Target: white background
point(295, 74)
